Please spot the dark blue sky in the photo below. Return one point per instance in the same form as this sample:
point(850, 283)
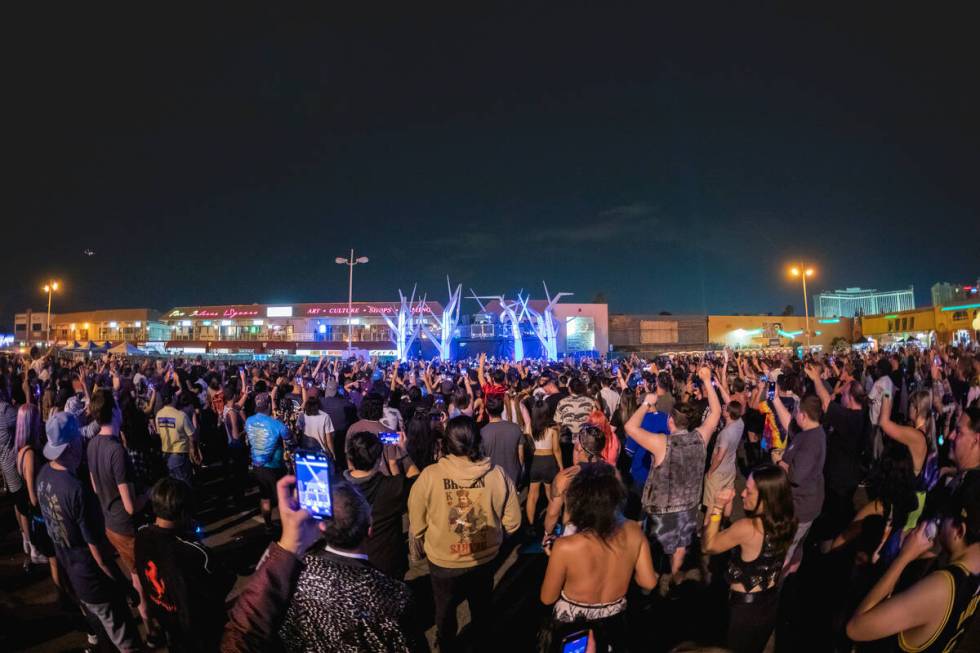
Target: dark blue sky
point(673, 159)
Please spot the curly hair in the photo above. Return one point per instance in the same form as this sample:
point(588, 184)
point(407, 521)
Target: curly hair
point(595, 500)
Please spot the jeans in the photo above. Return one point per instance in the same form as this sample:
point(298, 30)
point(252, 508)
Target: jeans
point(236, 470)
point(179, 466)
point(450, 587)
point(115, 620)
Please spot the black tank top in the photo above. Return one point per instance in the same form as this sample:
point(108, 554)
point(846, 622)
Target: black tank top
point(963, 599)
point(759, 573)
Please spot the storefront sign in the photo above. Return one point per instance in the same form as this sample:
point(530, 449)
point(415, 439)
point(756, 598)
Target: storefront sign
point(360, 309)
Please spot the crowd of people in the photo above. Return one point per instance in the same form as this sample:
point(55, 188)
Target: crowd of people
point(632, 477)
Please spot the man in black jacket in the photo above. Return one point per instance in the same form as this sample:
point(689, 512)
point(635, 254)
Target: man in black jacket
point(341, 602)
point(184, 587)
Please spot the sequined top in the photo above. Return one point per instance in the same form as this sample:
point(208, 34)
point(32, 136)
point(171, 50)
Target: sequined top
point(760, 573)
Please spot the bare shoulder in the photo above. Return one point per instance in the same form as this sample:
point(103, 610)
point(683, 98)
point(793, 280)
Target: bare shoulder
point(744, 528)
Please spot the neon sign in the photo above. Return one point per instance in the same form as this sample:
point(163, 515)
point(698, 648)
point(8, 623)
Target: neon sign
point(369, 309)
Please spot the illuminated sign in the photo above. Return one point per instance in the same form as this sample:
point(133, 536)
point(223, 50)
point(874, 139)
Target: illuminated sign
point(361, 309)
point(228, 313)
point(279, 311)
point(960, 308)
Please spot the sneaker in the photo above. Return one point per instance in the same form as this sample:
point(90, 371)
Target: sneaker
point(156, 640)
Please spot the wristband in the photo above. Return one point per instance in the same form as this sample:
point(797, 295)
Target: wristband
point(715, 517)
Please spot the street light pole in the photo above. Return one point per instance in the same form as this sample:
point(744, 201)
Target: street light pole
point(806, 311)
point(49, 288)
point(803, 271)
point(350, 263)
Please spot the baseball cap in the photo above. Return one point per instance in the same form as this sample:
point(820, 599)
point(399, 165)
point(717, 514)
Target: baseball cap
point(263, 401)
point(62, 430)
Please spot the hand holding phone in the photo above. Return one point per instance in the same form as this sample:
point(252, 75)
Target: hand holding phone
point(314, 483)
point(299, 531)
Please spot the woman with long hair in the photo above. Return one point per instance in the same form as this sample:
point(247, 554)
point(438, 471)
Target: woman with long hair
point(28, 442)
point(422, 440)
point(759, 543)
point(546, 461)
point(880, 526)
point(590, 571)
point(920, 438)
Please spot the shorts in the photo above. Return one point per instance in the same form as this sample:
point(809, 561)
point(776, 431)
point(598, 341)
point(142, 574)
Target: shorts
point(22, 501)
point(672, 530)
point(125, 546)
point(266, 478)
point(179, 467)
point(543, 469)
point(715, 482)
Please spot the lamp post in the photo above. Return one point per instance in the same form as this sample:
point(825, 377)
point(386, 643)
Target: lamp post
point(50, 287)
point(803, 272)
point(350, 263)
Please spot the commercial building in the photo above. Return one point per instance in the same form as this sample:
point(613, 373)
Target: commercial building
point(861, 301)
point(647, 335)
point(947, 294)
point(134, 325)
point(929, 325)
point(303, 329)
point(322, 329)
point(760, 331)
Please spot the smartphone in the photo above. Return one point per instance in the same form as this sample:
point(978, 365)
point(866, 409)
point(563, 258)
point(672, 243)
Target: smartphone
point(314, 484)
point(576, 642)
point(771, 394)
point(932, 529)
point(389, 437)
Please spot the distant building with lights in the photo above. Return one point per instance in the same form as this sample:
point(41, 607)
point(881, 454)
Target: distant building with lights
point(945, 293)
point(308, 329)
point(862, 301)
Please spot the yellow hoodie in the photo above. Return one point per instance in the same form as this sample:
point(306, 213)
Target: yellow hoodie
point(462, 509)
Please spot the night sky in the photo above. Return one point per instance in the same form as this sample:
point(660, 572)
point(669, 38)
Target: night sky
point(672, 159)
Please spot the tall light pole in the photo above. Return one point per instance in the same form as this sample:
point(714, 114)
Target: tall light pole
point(350, 263)
point(802, 271)
point(50, 287)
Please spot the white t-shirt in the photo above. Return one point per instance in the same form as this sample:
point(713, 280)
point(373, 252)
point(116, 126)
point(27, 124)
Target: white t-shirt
point(317, 427)
point(880, 388)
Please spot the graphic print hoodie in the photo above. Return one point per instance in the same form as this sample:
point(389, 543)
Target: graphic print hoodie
point(462, 509)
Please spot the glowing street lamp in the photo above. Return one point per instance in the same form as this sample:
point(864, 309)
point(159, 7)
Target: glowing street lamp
point(50, 288)
point(350, 263)
point(802, 271)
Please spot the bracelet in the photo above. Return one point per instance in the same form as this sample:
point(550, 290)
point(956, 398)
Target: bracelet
point(715, 517)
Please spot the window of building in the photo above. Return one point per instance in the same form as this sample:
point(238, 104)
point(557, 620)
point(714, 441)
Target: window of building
point(912, 322)
point(960, 315)
point(658, 332)
point(36, 327)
